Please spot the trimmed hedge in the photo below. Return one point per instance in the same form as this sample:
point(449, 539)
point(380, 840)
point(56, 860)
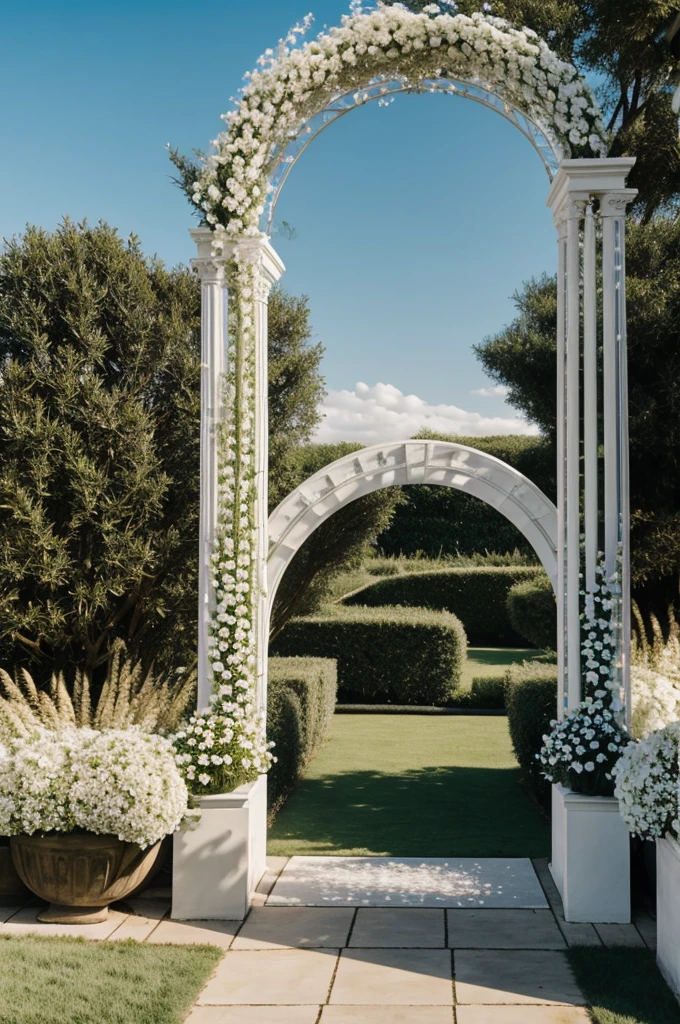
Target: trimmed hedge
point(300, 704)
point(384, 655)
point(477, 596)
point(531, 702)
point(532, 611)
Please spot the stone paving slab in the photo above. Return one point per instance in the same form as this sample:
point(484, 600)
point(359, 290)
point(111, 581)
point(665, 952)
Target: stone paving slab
point(386, 1015)
point(401, 977)
point(515, 976)
point(271, 976)
point(25, 922)
point(619, 935)
point(575, 934)
point(503, 929)
point(275, 927)
point(139, 924)
point(184, 933)
point(408, 882)
point(398, 927)
point(522, 1015)
point(253, 1015)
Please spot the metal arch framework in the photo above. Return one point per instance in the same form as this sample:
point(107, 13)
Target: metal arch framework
point(442, 463)
point(544, 142)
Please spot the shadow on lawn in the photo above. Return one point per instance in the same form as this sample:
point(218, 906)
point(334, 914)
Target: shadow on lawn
point(434, 811)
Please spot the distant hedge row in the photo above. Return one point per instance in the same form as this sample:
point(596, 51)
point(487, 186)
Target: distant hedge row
point(300, 704)
point(384, 655)
point(477, 596)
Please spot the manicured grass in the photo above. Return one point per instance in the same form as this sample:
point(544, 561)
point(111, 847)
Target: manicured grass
point(623, 986)
point(492, 661)
point(409, 785)
point(55, 981)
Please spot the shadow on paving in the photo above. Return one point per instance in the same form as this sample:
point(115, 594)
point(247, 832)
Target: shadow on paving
point(430, 811)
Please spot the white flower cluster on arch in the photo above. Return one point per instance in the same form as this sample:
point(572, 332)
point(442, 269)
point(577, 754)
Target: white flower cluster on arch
point(294, 83)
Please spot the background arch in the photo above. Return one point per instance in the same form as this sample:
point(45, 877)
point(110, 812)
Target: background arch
point(399, 463)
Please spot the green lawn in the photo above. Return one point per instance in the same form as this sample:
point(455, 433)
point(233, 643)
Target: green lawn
point(410, 785)
point(492, 661)
point(623, 986)
point(75, 981)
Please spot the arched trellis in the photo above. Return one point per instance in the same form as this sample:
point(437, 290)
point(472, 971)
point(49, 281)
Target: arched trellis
point(286, 104)
point(400, 463)
point(544, 141)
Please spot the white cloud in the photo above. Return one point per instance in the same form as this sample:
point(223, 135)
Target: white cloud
point(495, 391)
point(384, 413)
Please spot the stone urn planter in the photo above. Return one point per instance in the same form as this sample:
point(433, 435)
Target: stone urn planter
point(590, 857)
point(80, 873)
point(668, 911)
point(218, 861)
point(12, 889)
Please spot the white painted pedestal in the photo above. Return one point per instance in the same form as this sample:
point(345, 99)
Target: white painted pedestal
point(217, 864)
point(590, 857)
point(668, 911)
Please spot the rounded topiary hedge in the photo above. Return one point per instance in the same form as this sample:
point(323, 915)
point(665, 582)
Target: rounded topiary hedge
point(476, 595)
point(531, 702)
point(384, 655)
point(301, 695)
point(532, 611)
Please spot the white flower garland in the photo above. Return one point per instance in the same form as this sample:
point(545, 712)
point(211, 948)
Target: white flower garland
point(296, 82)
point(583, 748)
point(220, 748)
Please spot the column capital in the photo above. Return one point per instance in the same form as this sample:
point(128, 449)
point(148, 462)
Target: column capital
point(588, 177)
point(614, 203)
point(209, 264)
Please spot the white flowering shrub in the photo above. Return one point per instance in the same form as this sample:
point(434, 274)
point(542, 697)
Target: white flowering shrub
point(580, 751)
point(223, 747)
point(647, 781)
point(296, 82)
point(121, 782)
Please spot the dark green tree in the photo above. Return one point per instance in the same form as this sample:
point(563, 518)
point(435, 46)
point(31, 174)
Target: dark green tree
point(98, 450)
point(522, 356)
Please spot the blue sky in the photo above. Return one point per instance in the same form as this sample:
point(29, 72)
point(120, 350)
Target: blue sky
point(413, 223)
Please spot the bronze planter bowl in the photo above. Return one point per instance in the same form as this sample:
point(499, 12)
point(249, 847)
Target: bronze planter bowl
point(80, 873)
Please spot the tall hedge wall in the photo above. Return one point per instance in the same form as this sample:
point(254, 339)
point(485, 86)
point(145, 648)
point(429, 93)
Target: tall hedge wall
point(440, 520)
point(477, 596)
point(384, 655)
point(300, 704)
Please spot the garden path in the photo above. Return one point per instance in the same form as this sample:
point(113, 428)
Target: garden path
point(371, 965)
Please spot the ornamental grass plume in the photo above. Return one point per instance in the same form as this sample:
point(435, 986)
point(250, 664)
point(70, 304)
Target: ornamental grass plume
point(129, 697)
point(655, 675)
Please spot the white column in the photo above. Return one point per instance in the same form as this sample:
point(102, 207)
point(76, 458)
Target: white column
point(561, 225)
point(268, 267)
point(615, 384)
point(573, 451)
point(210, 269)
point(590, 483)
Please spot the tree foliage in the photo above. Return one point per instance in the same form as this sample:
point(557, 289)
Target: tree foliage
point(522, 356)
point(99, 404)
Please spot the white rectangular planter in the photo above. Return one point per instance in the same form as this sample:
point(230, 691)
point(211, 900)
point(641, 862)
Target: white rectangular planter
point(590, 857)
point(668, 911)
point(217, 864)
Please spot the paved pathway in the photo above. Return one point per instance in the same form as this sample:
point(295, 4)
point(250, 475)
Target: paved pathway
point(371, 964)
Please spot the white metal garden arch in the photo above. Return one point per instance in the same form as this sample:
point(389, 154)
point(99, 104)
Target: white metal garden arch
point(284, 105)
point(399, 463)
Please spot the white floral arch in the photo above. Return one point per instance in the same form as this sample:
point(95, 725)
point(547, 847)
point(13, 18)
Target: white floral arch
point(372, 54)
point(400, 463)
